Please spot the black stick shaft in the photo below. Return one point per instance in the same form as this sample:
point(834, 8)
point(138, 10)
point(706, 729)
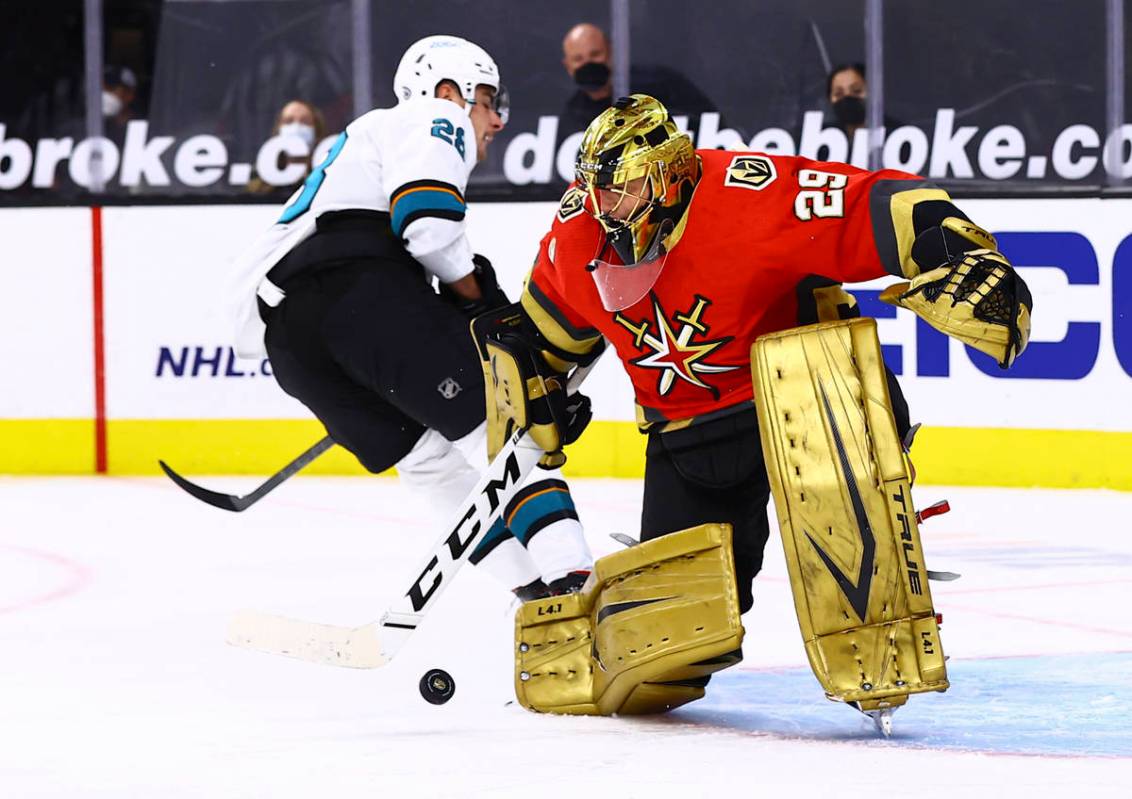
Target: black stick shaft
point(234, 503)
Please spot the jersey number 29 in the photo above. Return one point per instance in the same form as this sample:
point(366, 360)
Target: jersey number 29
point(443, 129)
point(822, 195)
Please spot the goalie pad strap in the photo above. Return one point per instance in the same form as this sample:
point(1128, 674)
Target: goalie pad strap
point(841, 489)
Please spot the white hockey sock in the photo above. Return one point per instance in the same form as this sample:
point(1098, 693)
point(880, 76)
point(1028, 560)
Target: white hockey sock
point(510, 564)
point(543, 518)
point(560, 548)
point(437, 470)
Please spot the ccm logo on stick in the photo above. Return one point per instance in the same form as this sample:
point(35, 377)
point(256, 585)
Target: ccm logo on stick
point(459, 540)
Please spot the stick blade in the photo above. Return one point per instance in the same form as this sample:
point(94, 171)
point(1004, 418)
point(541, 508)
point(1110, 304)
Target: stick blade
point(213, 498)
point(349, 647)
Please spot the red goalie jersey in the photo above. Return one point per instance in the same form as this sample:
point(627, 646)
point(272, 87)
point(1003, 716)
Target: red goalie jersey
point(767, 241)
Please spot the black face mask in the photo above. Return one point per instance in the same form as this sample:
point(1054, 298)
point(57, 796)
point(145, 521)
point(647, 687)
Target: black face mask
point(849, 110)
point(592, 75)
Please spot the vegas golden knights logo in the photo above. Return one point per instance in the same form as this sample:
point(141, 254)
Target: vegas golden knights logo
point(573, 203)
point(672, 347)
point(750, 172)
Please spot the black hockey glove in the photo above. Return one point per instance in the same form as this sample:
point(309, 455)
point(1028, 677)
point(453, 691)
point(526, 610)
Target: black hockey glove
point(568, 415)
point(575, 412)
point(491, 296)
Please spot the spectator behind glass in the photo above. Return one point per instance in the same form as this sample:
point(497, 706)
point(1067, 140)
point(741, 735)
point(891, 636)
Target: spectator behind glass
point(303, 121)
point(847, 91)
point(588, 59)
point(119, 88)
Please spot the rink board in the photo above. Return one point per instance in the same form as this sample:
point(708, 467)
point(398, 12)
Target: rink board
point(153, 310)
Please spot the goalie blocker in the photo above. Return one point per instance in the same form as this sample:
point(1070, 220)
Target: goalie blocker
point(526, 384)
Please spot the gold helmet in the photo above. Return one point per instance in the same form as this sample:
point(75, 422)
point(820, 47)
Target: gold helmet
point(638, 171)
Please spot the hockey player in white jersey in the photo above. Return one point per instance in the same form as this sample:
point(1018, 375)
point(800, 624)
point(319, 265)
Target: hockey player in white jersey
point(338, 293)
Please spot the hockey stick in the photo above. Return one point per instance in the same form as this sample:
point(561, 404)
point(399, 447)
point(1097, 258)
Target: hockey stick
point(375, 644)
point(237, 503)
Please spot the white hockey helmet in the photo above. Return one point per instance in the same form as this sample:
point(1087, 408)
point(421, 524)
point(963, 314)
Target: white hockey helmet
point(432, 59)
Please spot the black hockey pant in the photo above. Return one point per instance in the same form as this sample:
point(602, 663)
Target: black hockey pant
point(714, 472)
point(377, 356)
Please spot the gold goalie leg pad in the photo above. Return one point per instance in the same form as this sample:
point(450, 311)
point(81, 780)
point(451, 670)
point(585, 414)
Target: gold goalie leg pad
point(652, 622)
point(842, 491)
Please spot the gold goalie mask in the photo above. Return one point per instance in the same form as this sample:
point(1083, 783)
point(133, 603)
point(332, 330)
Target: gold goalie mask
point(637, 171)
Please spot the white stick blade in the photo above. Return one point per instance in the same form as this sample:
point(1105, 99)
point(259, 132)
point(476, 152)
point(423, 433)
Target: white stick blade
point(351, 647)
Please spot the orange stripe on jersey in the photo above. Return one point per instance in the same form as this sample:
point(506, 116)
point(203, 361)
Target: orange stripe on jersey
point(525, 500)
point(407, 192)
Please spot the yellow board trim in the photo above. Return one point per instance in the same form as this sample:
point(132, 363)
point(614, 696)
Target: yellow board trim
point(46, 446)
point(219, 446)
point(943, 455)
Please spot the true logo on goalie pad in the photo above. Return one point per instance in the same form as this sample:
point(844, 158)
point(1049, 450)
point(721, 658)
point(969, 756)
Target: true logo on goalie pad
point(914, 581)
point(857, 594)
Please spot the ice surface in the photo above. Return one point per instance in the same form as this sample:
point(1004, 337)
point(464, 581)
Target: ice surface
point(115, 681)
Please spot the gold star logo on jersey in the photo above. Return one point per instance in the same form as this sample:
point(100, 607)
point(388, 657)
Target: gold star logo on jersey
point(673, 350)
point(750, 172)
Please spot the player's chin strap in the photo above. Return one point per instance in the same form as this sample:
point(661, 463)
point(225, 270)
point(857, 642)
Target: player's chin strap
point(375, 644)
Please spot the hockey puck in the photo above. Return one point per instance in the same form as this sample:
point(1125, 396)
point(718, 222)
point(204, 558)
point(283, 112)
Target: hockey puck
point(437, 686)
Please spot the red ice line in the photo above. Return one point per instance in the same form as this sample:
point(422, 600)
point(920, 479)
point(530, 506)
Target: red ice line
point(1036, 620)
point(1000, 589)
point(77, 578)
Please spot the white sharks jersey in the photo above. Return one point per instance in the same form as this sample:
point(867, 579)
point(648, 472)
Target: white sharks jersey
point(411, 161)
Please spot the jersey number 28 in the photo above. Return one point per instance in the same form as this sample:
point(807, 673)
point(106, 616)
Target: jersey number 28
point(443, 129)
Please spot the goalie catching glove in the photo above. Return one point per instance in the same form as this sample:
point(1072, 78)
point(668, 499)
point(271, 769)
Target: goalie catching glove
point(523, 389)
point(975, 297)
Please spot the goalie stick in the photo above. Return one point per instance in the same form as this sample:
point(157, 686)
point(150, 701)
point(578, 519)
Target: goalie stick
point(374, 644)
point(236, 503)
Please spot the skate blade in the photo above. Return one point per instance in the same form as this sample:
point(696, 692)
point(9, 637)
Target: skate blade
point(882, 720)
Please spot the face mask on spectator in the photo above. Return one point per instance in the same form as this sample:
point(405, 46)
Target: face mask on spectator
point(111, 104)
point(300, 129)
point(592, 75)
point(849, 110)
